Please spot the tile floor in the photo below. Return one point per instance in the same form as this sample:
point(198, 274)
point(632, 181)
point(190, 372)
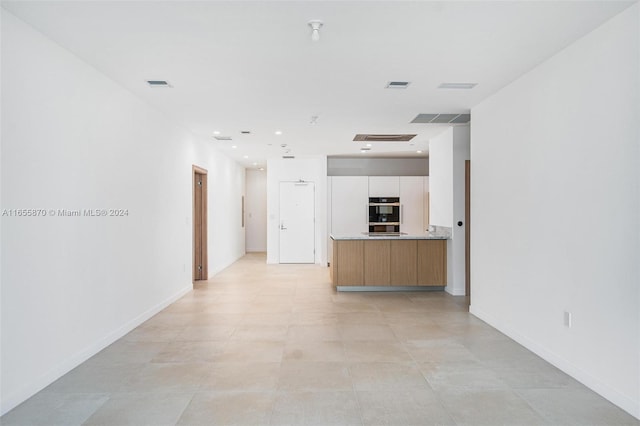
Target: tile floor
point(275, 344)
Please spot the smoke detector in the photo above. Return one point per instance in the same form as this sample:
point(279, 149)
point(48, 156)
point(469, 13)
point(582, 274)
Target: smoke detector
point(315, 29)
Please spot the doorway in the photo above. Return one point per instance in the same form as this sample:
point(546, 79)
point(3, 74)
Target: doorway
point(297, 222)
point(200, 260)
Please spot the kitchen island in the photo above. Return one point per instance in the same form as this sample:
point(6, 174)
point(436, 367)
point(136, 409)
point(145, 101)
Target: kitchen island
point(389, 262)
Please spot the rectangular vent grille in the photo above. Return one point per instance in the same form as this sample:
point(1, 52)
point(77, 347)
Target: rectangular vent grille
point(457, 85)
point(223, 138)
point(442, 118)
point(397, 85)
point(158, 83)
point(288, 157)
point(383, 138)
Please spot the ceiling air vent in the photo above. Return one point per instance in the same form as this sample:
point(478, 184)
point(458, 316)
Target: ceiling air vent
point(222, 138)
point(397, 85)
point(442, 118)
point(158, 83)
point(383, 138)
point(457, 85)
point(288, 157)
point(245, 132)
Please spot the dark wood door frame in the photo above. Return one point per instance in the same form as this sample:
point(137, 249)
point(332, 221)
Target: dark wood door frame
point(200, 208)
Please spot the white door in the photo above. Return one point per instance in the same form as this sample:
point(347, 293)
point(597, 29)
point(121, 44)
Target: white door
point(297, 222)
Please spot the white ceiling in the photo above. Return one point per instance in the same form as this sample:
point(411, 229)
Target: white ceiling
point(244, 65)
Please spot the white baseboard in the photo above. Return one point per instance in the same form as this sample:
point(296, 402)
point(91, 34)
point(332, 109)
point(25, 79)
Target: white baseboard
point(29, 389)
point(623, 401)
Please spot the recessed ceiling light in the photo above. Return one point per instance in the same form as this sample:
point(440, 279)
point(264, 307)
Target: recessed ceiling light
point(245, 157)
point(419, 151)
point(397, 85)
point(261, 169)
point(215, 132)
point(234, 146)
point(278, 132)
point(457, 85)
point(369, 145)
point(255, 164)
point(158, 83)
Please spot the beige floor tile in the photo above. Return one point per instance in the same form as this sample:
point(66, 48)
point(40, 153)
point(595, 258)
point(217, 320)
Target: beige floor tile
point(375, 351)
point(576, 407)
point(260, 332)
point(489, 408)
point(267, 319)
point(228, 408)
point(402, 407)
point(242, 376)
point(367, 332)
point(472, 376)
point(439, 350)
point(169, 377)
point(205, 333)
point(54, 409)
point(140, 409)
point(314, 376)
point(95, 378)
point(316, 408)
point(386, 376)
point(322, 332)
point(314, 351)
point(198, 352)
point(252, 351)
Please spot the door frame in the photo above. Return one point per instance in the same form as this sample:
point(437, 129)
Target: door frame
point(203, 213)
point(467, 230)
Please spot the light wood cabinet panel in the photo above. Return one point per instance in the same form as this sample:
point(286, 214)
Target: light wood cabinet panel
point(349, 263)
point(377, 258)
point(404, 267)
point(432, 262)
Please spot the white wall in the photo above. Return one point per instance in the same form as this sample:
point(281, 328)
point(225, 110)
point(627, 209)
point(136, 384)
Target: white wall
point(256, 211)
point(312, 169)
point(447, 155)
point(73, 139)
point(555, 210)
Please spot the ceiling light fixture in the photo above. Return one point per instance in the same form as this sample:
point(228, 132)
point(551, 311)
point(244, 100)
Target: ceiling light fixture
point(315, 29)
point(278, 132)
point(245, 157)
point(234, 146)
point(215, 132)
point(419, 151)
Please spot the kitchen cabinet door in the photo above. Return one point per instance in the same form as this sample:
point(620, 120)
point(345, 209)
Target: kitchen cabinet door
point(412, 205)
point(384, 186)
point(349, 205)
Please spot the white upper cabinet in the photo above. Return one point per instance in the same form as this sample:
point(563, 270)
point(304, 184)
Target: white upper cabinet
point(412, 204)
point(349, 205)
point(384, 186)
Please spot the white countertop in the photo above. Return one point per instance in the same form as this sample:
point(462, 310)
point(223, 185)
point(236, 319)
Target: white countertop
point(439, 234)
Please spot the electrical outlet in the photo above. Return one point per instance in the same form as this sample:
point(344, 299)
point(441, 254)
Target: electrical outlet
point(567, 319)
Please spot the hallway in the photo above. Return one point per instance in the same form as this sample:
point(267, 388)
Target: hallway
point(275, 344)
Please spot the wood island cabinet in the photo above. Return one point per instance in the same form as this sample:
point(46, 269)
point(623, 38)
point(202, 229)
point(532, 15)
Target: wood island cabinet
point(389, 262)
